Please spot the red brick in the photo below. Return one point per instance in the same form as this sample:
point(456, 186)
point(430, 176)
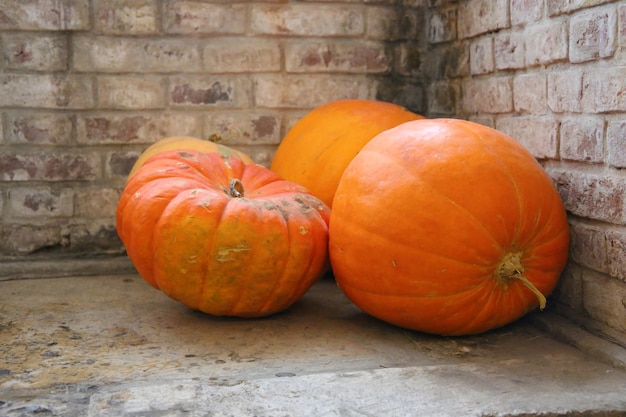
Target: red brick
point(546, 43)
point(582, 139)
point(616, 143)
point(306, 91)
point(141, 127)
point(41, 203)
point(137, 17)
point(245, 128)
point(307, 20)
point(594, 196)
point(592, 34)
point(482, 16)
point(35, 52)
point(538, 134)
point(526, 11)
point(40, 128)
point(196, 17)
point(442, 24)
point(44, 15)
point(329, 56)
point(49, 166)
point(588, 246)
point(209, 91)
point(489, 95)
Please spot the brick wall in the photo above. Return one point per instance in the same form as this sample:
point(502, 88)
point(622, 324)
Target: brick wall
point(552, 74)
point(85, 86)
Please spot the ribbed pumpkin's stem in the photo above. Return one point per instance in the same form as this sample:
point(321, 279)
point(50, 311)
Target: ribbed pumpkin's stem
point(235, 188)
point(511, 268)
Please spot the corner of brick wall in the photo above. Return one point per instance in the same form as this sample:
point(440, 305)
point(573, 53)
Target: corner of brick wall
point(86, 86)
point(553, 76)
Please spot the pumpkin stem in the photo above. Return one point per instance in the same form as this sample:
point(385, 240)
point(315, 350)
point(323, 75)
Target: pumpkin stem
point(511, 268)
point(235, 188)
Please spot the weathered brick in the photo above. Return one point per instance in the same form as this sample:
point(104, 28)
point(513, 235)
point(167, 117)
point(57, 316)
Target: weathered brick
point(209, 91)
point(443, 98)
point(119, 164)
point(120, 54)
point(409, 60)
point(404, 92)
point(391, 23)
point(569, 290)
point(49, 166)
point(331, 56)
point(94, 237)
point(546, 43)
point(621, 15)
point(588, 246)
point(46, 91)
point(196, 17)
point(122, 17)
point(526, 11)
point(538, 134)
point(307, 20)
point(24, 239)
point(44, 15)
point(35, 52)
point(95, 203)
point(116, 128)
point(300, 91)
point(41, 202)
point(447, 61)
point(592, 35)
point(604, 90)
point(594, 196)
point(482, 16)
point(565, 91)
point(481, 56)
point(616, 143)
point(530, 93)
point(582, 139)
point(483, 119)
point(616, 253)
point(556, 7)
point(245, 128)
point(39, 128)
point(491, 95)
point(131, 92)
point(235, 55)
point(509, 50)
point(604, 300)
point(442, 24)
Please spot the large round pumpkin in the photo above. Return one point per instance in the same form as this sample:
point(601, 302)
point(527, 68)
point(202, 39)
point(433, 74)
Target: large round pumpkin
point(319, 147)
point(447, 227)
point(221, 236)
point(186, 142)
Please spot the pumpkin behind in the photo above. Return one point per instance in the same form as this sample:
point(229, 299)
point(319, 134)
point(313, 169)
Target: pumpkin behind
point(319, 147)
point(447, 227)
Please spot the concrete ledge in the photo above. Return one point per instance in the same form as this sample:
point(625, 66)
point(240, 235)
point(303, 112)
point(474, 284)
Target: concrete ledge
point(64, 267)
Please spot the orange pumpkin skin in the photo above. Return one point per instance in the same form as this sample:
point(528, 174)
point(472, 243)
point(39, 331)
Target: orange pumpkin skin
point(319, 147)
point(186, 142)
point(436, 222)
point(221, 236)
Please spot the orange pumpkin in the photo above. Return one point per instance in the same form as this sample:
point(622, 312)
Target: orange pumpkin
point(221, 236)
point(187, 142)
point(319, 147)
point(447, 227)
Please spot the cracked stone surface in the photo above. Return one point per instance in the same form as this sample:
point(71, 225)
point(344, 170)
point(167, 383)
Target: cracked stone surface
point(113, 346)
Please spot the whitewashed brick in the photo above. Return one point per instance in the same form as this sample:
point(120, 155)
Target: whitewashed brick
point(482, 16)
point(530, 93)
point(481, 56)
point(565, 91)
point(538, 134)
point(616, 143)
point(582, 139)
point(238, 55)
point(592, 34)
point(490, 95)
point(546, 43)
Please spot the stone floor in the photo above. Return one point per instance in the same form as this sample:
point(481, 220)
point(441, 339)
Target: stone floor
point(113, 346)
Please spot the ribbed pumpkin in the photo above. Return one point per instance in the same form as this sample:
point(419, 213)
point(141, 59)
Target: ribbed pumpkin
point(187, 142)
point(447, 227)
point(319, 147)
point(221, 236)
